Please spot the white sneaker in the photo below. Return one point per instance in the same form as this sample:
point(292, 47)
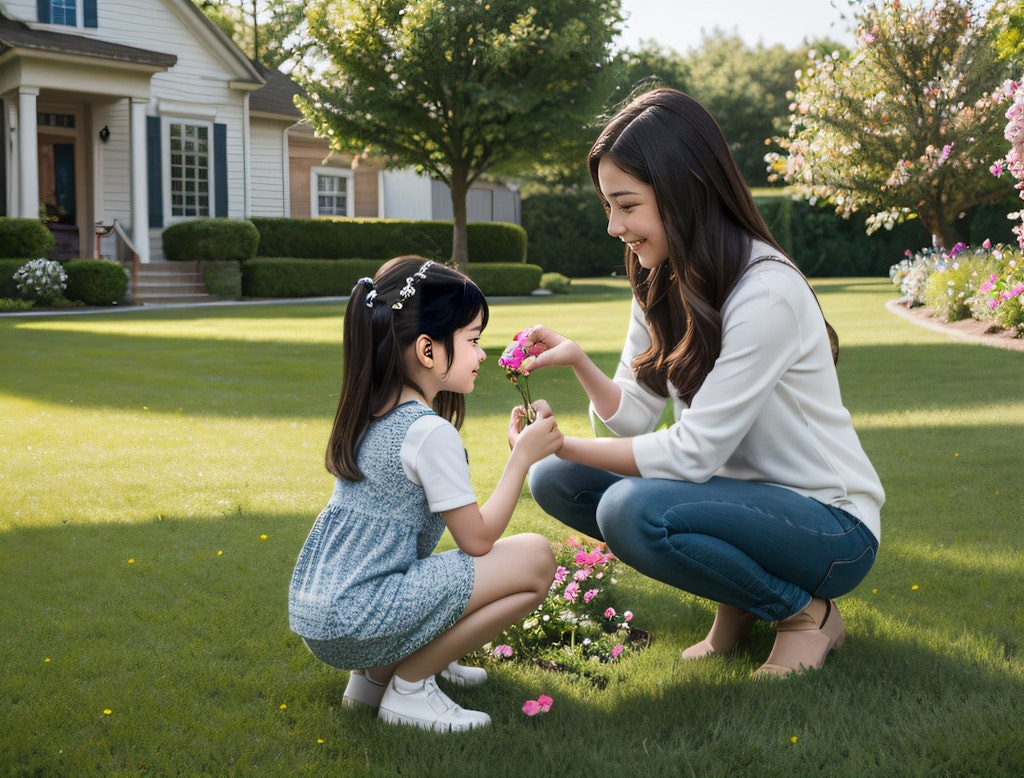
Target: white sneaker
point(421, 704)
point(362, 691)
point(462, 675)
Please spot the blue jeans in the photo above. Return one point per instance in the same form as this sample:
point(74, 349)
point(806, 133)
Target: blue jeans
point(755, 546)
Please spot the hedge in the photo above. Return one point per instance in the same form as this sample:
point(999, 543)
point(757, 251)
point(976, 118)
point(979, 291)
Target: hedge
point(290, 277)
point(286, 277)
point(211, 240)
point(25, 238)
point(96, 281)
point(568, 234)
point(8, 267)
point(386, 238)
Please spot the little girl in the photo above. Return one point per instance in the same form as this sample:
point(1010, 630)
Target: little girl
point(368, 595)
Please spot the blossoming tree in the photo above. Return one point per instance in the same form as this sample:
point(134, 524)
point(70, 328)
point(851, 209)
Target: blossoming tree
point(906, 124)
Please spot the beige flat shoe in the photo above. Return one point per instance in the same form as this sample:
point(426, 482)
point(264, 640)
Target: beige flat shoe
point(731, 626)
point(804, 640)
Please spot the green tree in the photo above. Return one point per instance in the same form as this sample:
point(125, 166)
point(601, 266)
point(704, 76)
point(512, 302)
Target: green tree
point(459, 89)
point(746, 89)
point(270, 32)
point(905, 124)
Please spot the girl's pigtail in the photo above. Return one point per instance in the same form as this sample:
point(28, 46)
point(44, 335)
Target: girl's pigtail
point(357, 382)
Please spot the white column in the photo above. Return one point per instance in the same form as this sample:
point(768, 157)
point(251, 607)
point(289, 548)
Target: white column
point(139, 179)
point(27, 205)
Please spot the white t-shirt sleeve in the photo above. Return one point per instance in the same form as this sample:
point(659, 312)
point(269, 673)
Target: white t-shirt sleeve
point(434, 457)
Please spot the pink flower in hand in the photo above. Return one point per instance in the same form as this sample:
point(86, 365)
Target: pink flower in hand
point(517, 359)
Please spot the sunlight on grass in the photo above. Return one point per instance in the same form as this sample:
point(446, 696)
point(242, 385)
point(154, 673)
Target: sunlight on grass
point(1010, 415)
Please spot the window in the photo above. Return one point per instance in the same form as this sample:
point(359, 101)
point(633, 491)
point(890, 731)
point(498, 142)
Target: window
point(331, 192)
point(190, 170)
point(63, 12)
point(69, 13)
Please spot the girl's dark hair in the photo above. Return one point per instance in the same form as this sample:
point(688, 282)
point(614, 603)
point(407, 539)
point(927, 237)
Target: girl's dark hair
point(669, 141)
point(382, 321)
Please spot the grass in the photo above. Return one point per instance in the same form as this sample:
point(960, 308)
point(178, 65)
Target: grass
point(159, 469)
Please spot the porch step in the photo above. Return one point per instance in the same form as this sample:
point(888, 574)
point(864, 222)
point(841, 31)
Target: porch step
point(170, 282)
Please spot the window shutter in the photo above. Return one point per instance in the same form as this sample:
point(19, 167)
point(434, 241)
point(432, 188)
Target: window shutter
point(154, 170)
point(43, 11)
point(91, 16)
point(220, 170)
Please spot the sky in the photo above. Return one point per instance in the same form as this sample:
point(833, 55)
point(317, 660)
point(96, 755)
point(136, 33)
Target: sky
point(677, 24)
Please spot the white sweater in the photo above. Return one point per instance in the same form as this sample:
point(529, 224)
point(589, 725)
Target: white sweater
point(770, 410)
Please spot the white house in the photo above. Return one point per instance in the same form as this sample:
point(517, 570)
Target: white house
point(143, 113)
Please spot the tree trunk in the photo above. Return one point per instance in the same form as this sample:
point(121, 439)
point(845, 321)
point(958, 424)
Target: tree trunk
point(460, 239)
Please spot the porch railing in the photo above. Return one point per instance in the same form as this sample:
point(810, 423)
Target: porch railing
point(125, 253)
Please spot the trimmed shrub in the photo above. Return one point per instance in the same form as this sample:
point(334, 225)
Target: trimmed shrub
point(555, 283)
point(386, 238)
point(8, 287)
point(96, 281)
point(289, 277)
point(25, 238)
point(222, 279)
point(505, 279)
point(211, 240)
point(569, 234)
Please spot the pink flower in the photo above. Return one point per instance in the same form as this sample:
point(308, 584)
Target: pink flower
point(945, 151)
point(609, 613)
point(996, 169)
point(518, 355)
point(571, 591)
point(986, 244)
point(540, 705)
point(517, 359)
point(591, 594)
point(627, 616)
point(560, 574)
point(581, 575)
point(573, 542)
point(503, 651)
point(617, 651)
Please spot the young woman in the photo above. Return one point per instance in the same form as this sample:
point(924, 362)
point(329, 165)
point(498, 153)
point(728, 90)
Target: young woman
point(368, 595)
point(759, 496)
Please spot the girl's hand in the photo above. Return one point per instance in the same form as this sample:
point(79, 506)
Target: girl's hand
point(551, 348)
point(538, 440)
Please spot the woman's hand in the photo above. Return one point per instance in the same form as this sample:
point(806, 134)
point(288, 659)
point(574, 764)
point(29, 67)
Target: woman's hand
point(538, 440)
point(550, 348)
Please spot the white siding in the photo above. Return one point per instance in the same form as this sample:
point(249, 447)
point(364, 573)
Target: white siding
point(113, 198)
point(405, 195)
point(269, 185)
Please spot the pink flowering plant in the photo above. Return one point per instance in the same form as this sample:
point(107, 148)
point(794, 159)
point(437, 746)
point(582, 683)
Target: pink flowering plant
point(517, 359)
point(985, 284)
point(579, 627)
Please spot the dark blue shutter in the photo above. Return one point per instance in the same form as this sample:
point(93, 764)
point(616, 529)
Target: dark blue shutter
point(154, 172)
point(220, 170)
point(43, 11)
point(91, 17)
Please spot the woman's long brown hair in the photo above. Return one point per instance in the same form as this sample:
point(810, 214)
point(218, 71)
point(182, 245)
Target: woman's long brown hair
point(668, 140)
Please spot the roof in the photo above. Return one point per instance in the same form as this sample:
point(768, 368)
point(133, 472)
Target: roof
point(277, 96)
point(18, 35)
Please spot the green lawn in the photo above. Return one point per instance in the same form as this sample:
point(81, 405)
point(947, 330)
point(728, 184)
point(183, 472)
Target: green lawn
point(159, 469)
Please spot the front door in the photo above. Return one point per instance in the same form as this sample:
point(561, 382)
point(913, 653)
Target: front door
point(57, 192)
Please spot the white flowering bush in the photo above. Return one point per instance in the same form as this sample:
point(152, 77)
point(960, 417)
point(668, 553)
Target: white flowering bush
point(41, 279)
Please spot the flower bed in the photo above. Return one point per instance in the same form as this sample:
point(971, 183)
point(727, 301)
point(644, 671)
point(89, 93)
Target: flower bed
point(986, 285)
point(578, 628)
